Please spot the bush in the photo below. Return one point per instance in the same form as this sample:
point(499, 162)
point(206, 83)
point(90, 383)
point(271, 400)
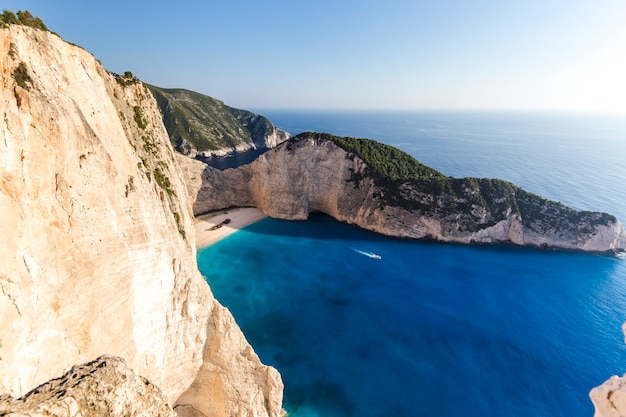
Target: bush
point(127, 79)
point(21, 76)
point(139, 117)
point(8, 18)
point(27, 19)
point(23, 17)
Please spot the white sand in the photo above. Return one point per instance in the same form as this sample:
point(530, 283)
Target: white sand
point(239, 218)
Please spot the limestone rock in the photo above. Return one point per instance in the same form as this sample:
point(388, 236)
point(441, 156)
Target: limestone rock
point(97, 254)
point(103, 387)
point(309, 174)
point(609, 399)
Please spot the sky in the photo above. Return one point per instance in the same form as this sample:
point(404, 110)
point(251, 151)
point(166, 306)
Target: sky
point(361, 54)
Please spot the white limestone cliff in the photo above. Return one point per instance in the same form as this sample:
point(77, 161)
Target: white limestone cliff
point(273, 139)
point(97, 253)
point(308, 174)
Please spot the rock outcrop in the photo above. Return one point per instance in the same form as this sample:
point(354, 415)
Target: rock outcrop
point(97, 254)
point(609, 399)
point(201, 125)
point(310, 173)
point(103, 387)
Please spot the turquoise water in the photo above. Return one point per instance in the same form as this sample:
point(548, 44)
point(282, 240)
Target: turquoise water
point(438, 329)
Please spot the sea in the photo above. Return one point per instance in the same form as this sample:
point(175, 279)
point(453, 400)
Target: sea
point(360, 324)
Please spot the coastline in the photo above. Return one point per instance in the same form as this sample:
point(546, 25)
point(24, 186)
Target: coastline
point(239, 218)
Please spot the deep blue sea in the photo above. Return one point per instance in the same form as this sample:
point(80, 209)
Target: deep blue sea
point(436, 329)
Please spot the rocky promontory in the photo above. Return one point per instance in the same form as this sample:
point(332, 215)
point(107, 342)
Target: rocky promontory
point(395, 195)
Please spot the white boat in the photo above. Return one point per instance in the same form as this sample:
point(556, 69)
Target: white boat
point(368, 254)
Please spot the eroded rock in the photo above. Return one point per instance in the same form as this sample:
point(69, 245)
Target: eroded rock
point(103, 387)
point(311, 174)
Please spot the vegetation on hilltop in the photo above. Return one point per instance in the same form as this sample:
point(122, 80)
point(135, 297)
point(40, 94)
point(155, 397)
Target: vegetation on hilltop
point(385, 161)
point(23, 17)
point(198, 122)
point(403, 181)
point(125, 80)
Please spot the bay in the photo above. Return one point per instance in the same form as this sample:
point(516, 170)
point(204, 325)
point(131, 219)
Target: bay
point(438, 329)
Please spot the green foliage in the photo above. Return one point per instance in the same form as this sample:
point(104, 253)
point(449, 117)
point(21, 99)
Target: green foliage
point(163, 181)
point(197, 121)
point(21, 76)
point(385, 162)
point(27, 19)
point(181, 229)
point(8, 18)
point(125, 80)
point(139, 117)
point(23, 17)
point(12, 50)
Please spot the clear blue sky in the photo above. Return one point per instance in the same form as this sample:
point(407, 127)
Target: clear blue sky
point(378, 54)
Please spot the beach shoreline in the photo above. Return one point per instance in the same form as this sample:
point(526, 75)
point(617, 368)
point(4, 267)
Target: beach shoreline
point(207, 233)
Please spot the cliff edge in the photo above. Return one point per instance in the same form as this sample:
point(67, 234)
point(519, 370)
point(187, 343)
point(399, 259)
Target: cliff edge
point(315, 172)
point(97, 252)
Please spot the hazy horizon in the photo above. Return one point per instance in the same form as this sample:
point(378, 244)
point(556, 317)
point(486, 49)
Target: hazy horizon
point(556, 55)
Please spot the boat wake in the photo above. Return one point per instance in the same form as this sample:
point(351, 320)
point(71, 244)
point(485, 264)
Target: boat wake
point(368, 254)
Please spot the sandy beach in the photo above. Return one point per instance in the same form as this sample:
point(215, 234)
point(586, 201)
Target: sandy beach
point(239, 218)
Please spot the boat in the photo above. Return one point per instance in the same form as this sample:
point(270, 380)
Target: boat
point(368, 254)
point(217, 226)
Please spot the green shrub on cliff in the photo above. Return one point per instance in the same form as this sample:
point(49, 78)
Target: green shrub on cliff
point(385, 161)
point(21, 76)
point(23, 17)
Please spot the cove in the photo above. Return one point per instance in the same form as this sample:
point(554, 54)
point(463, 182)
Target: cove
point(427, 329)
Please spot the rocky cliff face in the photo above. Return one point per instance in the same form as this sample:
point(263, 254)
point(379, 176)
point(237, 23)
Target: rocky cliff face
point(199, 124)
point(103, 387)
point(97, 251)
point(309, 174)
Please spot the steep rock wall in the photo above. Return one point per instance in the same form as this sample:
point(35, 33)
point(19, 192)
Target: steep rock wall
point(307, 174)
point(97, 252)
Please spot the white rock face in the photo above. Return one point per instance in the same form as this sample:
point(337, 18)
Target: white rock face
point(609, 399)
point(97, 252)
point(103, 387)
point(308, 174)
point(274, 139)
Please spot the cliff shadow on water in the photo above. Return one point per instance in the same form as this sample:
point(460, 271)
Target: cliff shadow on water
point(324, 229)
point(232, 160)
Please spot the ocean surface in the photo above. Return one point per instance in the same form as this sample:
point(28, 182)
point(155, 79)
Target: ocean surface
point(433, 329)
